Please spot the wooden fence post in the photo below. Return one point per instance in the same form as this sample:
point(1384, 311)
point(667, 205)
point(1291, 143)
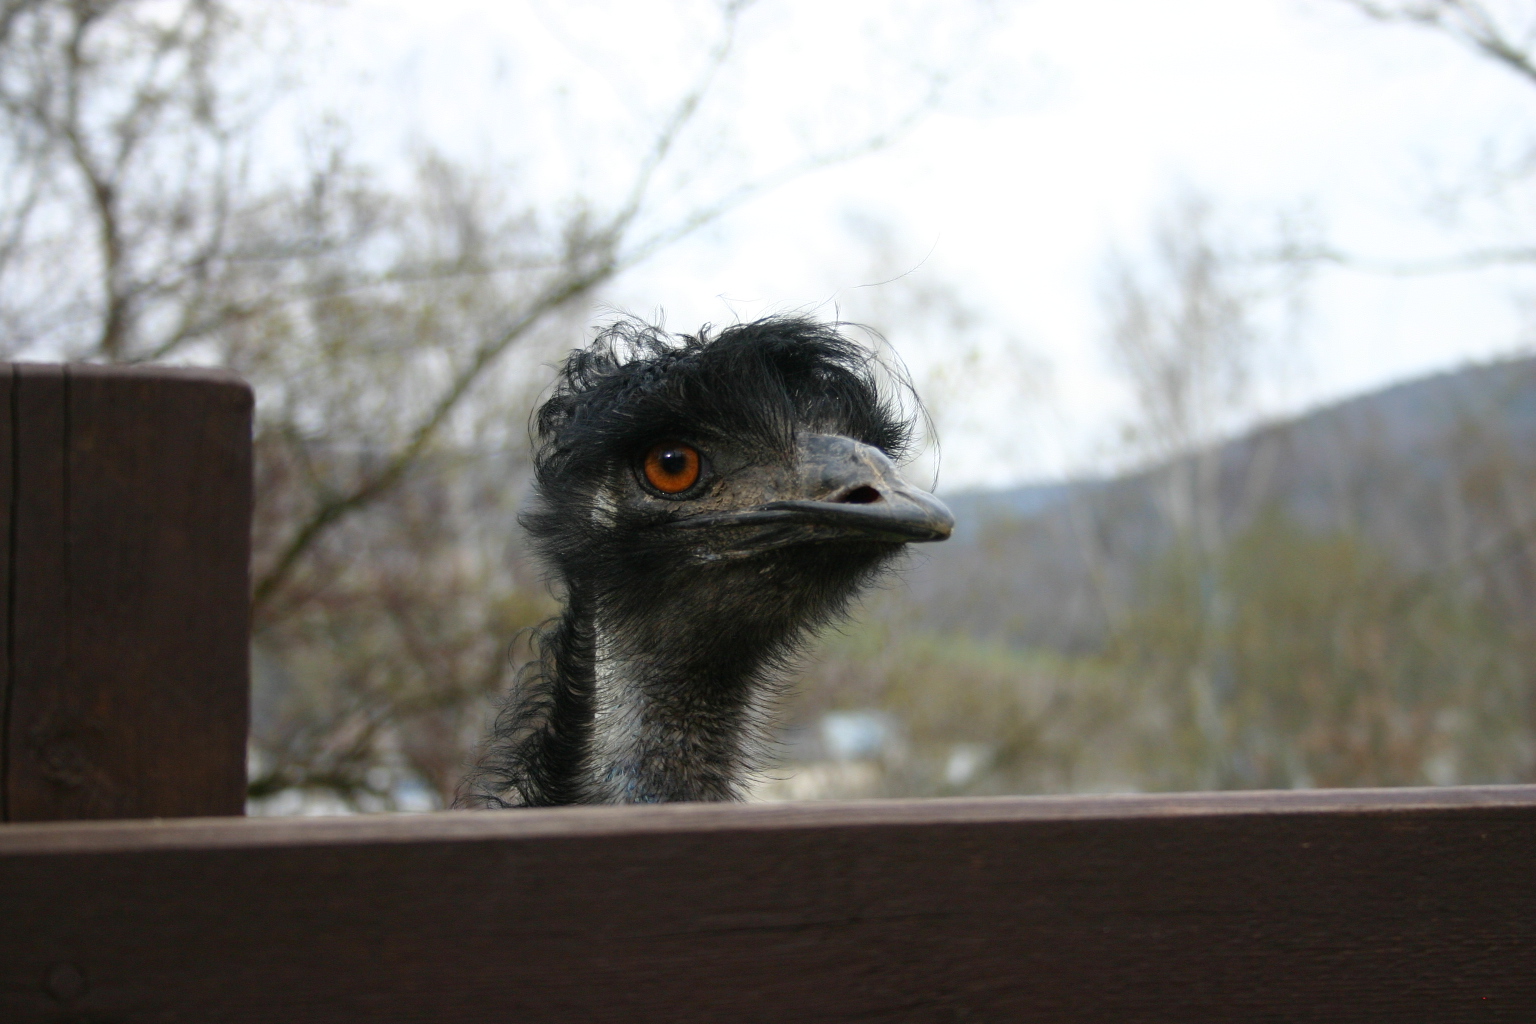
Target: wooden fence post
point(125, 509)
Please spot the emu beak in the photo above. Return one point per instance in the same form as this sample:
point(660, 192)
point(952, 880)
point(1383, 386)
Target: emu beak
point(860, 492)
point(844, 490)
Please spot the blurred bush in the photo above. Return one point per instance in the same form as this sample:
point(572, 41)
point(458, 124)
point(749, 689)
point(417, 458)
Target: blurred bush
point(1283, 659)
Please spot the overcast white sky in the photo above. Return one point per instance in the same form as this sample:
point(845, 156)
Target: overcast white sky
point(1070, 123)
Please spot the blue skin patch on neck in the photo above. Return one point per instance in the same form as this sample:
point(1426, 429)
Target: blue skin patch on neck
point(627, 778)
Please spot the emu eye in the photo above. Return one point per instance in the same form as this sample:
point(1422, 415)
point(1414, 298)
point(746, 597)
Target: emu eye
point(672, 468)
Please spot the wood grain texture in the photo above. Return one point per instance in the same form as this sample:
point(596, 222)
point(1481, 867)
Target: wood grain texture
point(129, 689)
point(41, 755)
point(1355, 906)
point(7, 538)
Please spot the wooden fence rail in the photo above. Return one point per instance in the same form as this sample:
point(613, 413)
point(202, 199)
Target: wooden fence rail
point(1401, 906)
point(124, 533)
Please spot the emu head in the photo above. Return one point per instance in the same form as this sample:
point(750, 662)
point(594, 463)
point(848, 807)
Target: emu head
point(705, 503)
point(744, 483)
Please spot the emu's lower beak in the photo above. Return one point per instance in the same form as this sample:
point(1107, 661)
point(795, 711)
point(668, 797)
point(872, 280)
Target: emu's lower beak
point(843, 490)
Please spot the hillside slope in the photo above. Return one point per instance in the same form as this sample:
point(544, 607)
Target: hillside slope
point(1439, 474)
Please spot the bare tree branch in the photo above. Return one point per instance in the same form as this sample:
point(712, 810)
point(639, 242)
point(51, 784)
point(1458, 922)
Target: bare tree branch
point(332, 510)
point(1467, 21)
point(1477, 259)
point(1473, 25)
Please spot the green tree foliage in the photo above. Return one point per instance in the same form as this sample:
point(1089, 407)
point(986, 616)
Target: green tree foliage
point(1292, 659)
point(1283, 658)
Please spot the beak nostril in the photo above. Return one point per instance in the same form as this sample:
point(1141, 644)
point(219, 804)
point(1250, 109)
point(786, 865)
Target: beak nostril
point(860, 496)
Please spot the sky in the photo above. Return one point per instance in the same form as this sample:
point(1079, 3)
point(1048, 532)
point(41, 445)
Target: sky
point(1062, 130)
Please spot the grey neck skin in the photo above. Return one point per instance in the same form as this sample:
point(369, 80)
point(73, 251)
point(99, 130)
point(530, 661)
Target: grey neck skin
point(660, 735)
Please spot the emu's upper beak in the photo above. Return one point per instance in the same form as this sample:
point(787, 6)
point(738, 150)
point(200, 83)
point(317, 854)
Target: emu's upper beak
point(841, 490)
point(858, 491)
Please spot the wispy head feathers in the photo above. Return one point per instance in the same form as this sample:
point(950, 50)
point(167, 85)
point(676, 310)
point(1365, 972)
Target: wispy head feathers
point(755, 383)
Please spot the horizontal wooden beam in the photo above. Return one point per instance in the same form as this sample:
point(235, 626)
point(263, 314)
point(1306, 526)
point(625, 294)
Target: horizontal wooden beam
point(1341, 906)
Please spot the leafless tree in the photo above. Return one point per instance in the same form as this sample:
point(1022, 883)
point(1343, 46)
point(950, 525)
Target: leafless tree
point(1181, 328)
point(122, 163)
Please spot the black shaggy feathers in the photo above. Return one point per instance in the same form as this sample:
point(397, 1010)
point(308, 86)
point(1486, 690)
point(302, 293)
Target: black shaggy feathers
point(760, 381)
point(656, 681)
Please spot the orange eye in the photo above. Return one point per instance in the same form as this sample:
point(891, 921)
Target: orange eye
point(672, 468)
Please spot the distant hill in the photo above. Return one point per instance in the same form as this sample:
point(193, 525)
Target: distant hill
point(1438, 473)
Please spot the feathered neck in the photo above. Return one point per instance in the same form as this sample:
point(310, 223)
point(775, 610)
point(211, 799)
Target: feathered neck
point(660, 696)
point(677, 713)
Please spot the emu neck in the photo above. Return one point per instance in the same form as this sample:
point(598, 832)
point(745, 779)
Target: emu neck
point(676, 715)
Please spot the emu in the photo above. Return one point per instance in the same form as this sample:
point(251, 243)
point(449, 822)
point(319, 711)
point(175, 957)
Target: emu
point(705, 503)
